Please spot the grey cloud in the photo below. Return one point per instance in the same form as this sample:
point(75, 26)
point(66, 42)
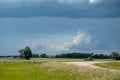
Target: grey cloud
point(38, 8)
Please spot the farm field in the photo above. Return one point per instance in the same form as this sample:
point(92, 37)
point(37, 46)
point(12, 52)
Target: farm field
point(53, 69)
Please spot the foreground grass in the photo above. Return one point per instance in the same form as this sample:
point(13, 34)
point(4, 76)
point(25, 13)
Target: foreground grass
point(111, 65)
point(52, 71)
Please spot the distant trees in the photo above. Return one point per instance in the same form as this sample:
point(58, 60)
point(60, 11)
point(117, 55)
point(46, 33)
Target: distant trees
point(26, 53)
point(35, 55)
point(73, 55)
point(83, 55)
point(101, 56)
point(115, 56)
point(44, 55)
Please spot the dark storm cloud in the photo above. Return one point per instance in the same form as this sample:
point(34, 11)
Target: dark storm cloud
point(60, 8)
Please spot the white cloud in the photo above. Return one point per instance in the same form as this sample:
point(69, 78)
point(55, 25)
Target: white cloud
point(95, 1)
point(82, 1)
point(102, 1)
point(82, 37)
point(46, 46)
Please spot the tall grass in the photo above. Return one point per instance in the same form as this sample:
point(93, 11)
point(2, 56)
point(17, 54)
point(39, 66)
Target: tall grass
point(52, 71)
point(111, 65)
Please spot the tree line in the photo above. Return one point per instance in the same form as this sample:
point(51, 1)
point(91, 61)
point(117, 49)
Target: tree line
point(26, 53)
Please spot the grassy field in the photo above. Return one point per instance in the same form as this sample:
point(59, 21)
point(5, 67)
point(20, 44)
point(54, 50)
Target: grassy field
point(111, 65)
point(51, 70)
point(51, 59)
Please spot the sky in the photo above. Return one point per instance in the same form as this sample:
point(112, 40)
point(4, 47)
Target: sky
point(59, 26)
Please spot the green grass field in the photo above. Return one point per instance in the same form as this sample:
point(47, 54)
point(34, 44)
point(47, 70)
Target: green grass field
point(111, 65)
point(51, 69)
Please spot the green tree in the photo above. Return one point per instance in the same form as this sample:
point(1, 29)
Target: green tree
point(26, 53)
point(115, 56)
point(35, 55)
point(44, 55)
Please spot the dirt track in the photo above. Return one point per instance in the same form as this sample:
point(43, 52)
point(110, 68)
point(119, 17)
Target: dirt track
point(90, 64)
point(86, 64)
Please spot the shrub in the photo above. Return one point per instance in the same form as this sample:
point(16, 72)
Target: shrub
point(88, 59)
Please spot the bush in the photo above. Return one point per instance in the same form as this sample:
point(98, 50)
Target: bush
point(88, 59)
point(11, 58)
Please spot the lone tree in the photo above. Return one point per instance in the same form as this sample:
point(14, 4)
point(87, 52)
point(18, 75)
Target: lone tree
point(26, 53)
point(115, 56)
